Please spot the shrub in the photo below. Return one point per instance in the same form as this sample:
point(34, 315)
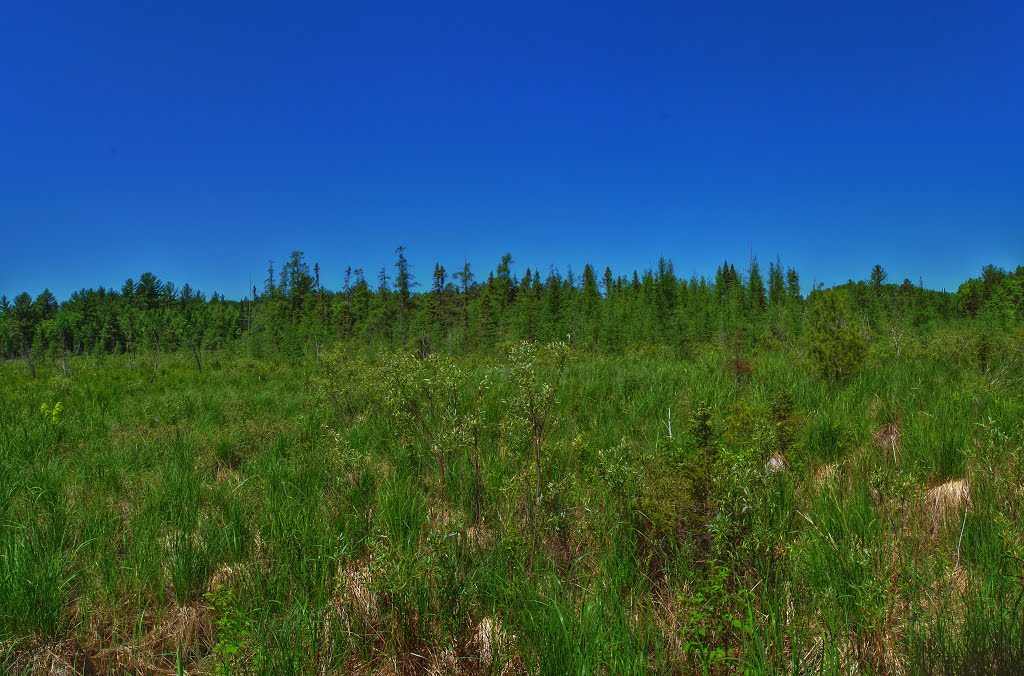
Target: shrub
point(837, 346)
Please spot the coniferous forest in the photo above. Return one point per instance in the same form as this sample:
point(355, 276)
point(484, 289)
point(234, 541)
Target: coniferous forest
point(472, 471)
point(462, 311)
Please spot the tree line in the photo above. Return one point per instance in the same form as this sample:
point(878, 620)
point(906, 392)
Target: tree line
point(461, 311)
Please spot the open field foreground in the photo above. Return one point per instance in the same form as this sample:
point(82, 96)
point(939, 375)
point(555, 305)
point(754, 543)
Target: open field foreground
point(538, 510)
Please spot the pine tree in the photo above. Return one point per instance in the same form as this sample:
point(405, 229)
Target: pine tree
point(878, 278)
point(403, 284)
point(269, 284)
point(666, 291)
point(24, 319)
point(552, 325)
point(296, 285)
point(465, 279)
point(837, 345)
point(362, 300)
point(380, 324)
point(755, 287)
point(776, 283)
point(6, 330)
point(439, 301)
point(590, 299)
point(487, 322)
point(525, 313)
point(793, 284)
point(503, 284)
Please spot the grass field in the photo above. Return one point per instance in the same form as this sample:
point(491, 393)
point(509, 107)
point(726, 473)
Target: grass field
point(538, 511)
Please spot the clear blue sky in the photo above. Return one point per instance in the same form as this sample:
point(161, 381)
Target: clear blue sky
point(199, 139)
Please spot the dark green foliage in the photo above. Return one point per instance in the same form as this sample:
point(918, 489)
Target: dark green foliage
point(984, 351)
point(836, 342)
point(755, 288)
point(878, 278)
point(786, 424)
point(829, 437)
point(670, 510)
point(702, 430)
point(296, 314)
point(235, 650)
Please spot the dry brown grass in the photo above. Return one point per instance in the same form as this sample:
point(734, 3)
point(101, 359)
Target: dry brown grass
point(354, 611)
point(444, 662)
point(187, 631)
point(479, 536)
point(226, 473)
point(887, 438)
point(876, 405)
point(947, 597)
point(668, 616)
point(825, 474)
point(226, 576)
point(947, 503)
point(741, 369)
point(53, 658)
point(949, 591)
point(879, 651)
point(355, 603)
point(492, 649)
point(488, 639)
point(183, 632)
point(776, 463)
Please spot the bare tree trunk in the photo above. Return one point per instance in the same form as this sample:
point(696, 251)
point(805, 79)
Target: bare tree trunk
point(896, 340)
point(26, 353)
point(197, 350)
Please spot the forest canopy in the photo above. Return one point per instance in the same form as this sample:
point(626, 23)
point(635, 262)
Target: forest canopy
point(461, 310)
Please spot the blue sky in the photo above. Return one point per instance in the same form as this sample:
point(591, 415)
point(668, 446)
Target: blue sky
point(197, 140)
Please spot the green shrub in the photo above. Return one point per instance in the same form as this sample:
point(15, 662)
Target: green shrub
point(836, 343)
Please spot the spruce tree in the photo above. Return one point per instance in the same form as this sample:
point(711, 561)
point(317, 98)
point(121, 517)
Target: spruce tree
point(465, 279)
point(438, 301)
point(607, 282)
point(403, 284)
point(776, 283)
point(878, 278)
point(755, 287)
point(590, 299)
point(793, 284)
point(837, 345)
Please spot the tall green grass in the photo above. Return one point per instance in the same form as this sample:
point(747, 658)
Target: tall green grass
point(290, 517)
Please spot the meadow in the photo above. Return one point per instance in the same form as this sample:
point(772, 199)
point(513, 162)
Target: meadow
point(536, 510)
